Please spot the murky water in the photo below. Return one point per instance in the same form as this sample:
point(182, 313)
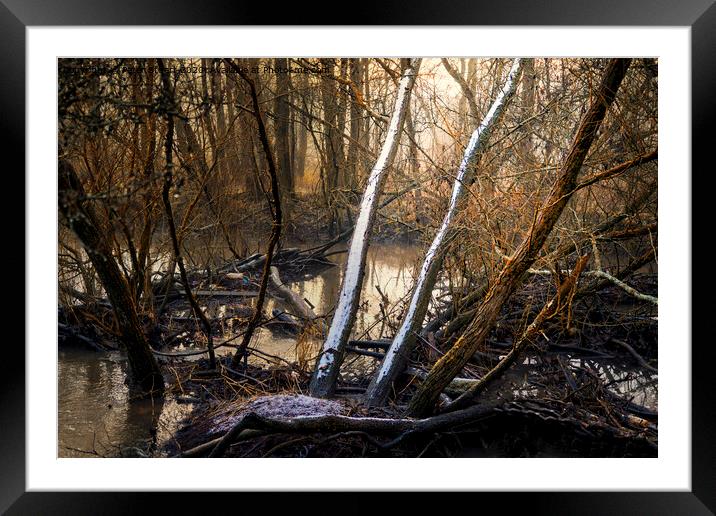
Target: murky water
point(97, 418)
point(389, 270)
point(95, 415)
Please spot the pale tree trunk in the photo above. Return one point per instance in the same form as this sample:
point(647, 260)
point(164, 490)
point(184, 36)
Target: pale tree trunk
point(474, 337)
point(329, 362)
point(397, 355)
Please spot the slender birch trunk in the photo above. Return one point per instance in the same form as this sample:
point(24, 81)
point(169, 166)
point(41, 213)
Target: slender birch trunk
point(329, 362)
point(455, 359)
point(404, 342)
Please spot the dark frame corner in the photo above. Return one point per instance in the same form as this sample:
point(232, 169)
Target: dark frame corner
point(700, 15)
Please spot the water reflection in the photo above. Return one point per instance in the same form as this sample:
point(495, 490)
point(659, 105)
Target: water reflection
point(621, 379)
point(96, 416)
point(389, 269)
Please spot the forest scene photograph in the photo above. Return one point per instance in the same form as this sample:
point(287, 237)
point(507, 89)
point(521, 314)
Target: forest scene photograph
point(356, 257)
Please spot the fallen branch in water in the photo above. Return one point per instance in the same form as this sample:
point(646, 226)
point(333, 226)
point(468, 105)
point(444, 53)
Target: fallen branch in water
point(626, 288)
point(288, 296)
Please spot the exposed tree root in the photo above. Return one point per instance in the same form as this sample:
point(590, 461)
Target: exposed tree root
point(335, 423)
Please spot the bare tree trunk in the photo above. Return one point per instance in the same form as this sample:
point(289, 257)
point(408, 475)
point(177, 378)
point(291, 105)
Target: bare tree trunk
point(333, 142)
point(453, 361)
point(356, 73)
point(414, 171)
point(328, 364)
point(275, 212)
point(560, 301)
point(467, 94)
point(300, 131)
point(281, 123)
point(83, 220)
point(528, 108)
point(149, 142)
point(397, 355)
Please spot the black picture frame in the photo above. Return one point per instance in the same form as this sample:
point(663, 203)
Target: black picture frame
point(700, 15)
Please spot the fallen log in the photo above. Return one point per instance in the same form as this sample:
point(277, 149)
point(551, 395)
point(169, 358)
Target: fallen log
point(339, 423)
point(365, 352)
point(456, 387)
point(226, 293)
point(297, 304)
point(370, 344)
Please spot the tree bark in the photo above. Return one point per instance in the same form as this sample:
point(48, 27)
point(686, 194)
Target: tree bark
point(561, 300)
point(356, 126)
point(333, 143)
point(329, 362)
point(397, 356)
point(281, 123)
point(468, 94)
point(453, 361)
point(275, 211)
point(83, 220)
point(300, 132)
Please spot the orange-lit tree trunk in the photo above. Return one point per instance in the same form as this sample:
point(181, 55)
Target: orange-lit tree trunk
point(455, 359)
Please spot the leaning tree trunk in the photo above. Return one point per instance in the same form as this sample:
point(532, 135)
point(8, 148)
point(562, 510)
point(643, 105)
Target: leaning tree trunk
point(329, 362)
point(397, 355)
point(83, 220)
point(561, 300)
point(453, 361)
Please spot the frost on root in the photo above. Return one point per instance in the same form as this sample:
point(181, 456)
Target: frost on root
point(281, 406)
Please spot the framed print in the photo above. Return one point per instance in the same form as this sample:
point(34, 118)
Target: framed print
point(416, 253)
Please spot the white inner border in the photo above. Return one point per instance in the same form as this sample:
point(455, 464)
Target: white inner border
point(671, 470)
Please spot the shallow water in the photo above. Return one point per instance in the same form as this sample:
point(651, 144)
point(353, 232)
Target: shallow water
point(97, 418)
